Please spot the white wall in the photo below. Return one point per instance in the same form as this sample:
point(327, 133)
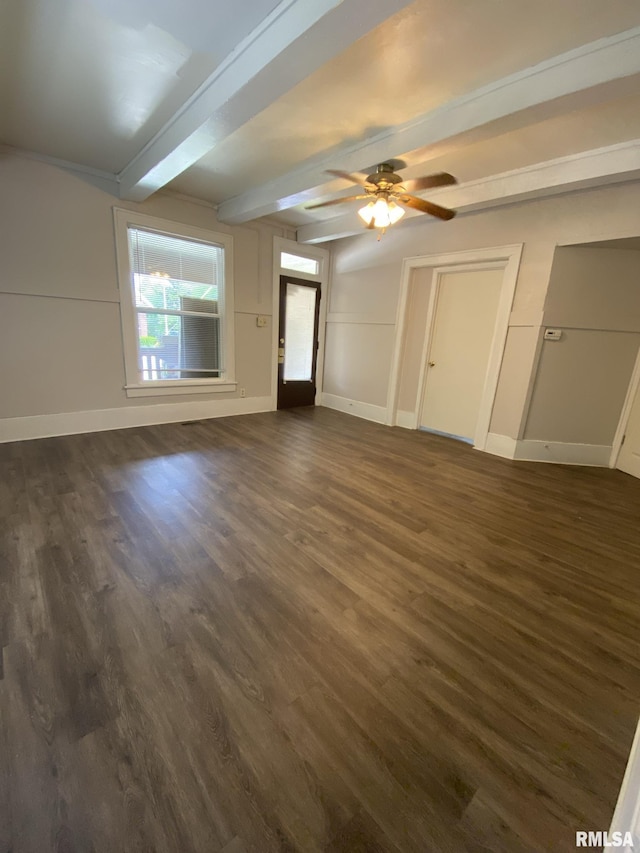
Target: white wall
point(60, 335)
point(360, 331)
point(348, 373)
point(366, 279)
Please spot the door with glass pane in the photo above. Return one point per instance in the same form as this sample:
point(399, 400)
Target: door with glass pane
point(298, 342)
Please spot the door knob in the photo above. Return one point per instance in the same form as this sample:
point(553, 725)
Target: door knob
point(432, 364)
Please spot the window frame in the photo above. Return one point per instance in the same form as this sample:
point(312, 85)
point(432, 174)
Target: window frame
point(134, 385)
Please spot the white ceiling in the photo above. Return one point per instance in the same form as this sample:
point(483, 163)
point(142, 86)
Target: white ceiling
point(91, 81)
point(248, 110)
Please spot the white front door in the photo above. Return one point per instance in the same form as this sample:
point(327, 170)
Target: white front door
point(463, 328)
point(629, 456)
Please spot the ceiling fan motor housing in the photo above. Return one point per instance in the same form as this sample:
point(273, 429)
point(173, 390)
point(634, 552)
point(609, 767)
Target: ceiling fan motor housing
point(384, 177)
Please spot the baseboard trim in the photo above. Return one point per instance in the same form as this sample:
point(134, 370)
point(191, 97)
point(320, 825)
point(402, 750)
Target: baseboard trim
point(558, 452)
point(406, 420)
point(500, 445)
point(355, 407)
point(124, 417)
point(564, 453)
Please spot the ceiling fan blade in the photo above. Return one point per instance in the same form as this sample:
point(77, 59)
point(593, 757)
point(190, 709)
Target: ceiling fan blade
point(427, 207)
point(440, 179)
point(334, 201)
point(355, 179)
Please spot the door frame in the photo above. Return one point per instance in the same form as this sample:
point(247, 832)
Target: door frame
point(500, 257)
point(632, 390)
point(281, 244)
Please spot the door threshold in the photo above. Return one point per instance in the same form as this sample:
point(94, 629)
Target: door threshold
point(446, 435)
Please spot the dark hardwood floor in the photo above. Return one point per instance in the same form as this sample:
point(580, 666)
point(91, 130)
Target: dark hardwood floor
point(300, 631)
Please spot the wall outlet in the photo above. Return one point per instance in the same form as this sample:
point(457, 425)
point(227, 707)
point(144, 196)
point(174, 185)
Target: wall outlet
point(261, 321)
point(243, 392)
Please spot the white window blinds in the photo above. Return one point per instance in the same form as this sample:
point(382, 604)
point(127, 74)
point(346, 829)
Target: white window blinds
point(178, 297)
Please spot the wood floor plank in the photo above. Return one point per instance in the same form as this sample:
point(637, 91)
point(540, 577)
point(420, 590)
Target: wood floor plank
point(301, 631)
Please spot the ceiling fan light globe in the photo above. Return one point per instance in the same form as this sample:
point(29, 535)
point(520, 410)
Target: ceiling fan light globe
point(381, 216)
point(395, 212)
point(366, 213)
point(381, 213)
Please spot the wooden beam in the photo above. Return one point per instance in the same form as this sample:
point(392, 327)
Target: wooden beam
point(297, 38)
point(587, 75)
point(613, 164)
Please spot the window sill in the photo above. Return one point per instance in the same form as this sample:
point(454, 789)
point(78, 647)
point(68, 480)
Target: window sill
point(175, 387)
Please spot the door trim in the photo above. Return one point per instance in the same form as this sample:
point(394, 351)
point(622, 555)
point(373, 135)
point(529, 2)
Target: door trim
point(632, 390)
point(280, 244)
point(438, 272)
point(505, 257)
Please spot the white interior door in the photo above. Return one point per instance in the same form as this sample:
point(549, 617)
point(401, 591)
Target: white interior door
point(629, 456)
point(464, 323)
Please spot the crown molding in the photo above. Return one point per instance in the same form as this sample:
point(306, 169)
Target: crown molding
point(67, 165)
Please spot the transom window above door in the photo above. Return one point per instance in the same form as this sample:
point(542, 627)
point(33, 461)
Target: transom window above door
point(298, 263)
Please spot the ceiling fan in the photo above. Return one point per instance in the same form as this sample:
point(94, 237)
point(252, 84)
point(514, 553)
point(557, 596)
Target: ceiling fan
point(385, 189)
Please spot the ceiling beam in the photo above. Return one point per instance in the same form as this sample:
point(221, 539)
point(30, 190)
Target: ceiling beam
point(296, 39)
point(587, 75)
point(601, 166)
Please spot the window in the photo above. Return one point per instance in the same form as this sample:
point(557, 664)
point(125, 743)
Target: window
point(299, 264)
point(175, 295)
